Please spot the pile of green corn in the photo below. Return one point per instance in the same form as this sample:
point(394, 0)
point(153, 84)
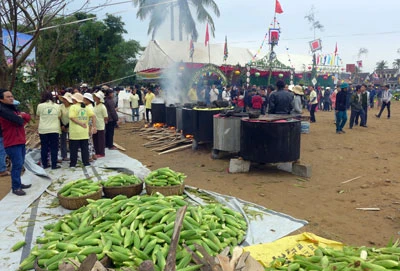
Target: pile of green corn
point(348, 259)
point(131, 230)
point(164, 177)
point(79, 188)
point(121, 180)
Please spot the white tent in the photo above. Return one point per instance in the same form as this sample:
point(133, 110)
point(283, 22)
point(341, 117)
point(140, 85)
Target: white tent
point(161, 54)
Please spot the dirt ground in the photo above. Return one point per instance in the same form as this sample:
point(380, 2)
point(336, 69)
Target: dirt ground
point(328, 205)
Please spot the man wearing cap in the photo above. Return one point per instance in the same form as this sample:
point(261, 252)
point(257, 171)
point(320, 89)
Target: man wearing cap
point(64, 122)
point(313, 103)
point(79, 116)
point(100, 111)
point(386, 97)
point(340, 108)
point(297, 100)
point(12, 124)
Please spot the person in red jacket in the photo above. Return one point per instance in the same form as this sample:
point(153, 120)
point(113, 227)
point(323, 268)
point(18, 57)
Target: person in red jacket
point(12, 124)
point(257, 102)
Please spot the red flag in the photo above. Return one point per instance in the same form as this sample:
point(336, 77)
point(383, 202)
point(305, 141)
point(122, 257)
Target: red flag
point(207, 36)
point(336, 49)
point(278, 8)
point(226, 49)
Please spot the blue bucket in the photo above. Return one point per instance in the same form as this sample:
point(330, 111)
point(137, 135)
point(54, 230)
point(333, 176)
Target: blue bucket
point(305, 127)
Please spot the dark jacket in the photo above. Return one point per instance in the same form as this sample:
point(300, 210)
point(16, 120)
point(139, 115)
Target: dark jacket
point(355, 102)
point(110, 105)
point(12, 124)
point(341, 100)
point(280, 102)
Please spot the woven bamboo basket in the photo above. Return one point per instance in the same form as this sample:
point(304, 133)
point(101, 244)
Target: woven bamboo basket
point(129, 190)
point(73, 203)
point(165, 190)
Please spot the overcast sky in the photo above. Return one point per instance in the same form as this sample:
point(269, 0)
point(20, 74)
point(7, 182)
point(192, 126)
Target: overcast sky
point(352, 24)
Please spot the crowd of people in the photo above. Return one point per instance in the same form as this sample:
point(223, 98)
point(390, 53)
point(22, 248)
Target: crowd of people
point(86, 117)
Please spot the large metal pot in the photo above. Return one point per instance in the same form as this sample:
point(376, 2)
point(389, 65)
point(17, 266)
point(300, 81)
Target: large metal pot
point(203, 124)
point(158, 112)
point(187, 121)
point(227, 133)
point(270, 141)
point(170, 115)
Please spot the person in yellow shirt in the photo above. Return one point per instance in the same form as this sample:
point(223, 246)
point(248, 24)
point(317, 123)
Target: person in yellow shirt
point(313, 103)
point(49, 129)
point(100, 111)
point(148, 99)
point(64, 108)
point(192, 94)
point(79, 116)
point(134, 101)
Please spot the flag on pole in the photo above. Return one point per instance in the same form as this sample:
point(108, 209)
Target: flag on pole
point(191, 48)
point(336, 49)
point(207, 36)
point(278, 7)
point(226, 49)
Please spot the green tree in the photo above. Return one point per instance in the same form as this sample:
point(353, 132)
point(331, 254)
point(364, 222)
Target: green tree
point(157, 11)
point(90, 51)
point(381, 65)
point(396, 64)
point(28, 16)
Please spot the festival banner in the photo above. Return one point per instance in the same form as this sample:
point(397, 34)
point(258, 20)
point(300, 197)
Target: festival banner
point(226, 49)
point(22, 40)
point(315, 45)
point(274, 36)
point(207, 39)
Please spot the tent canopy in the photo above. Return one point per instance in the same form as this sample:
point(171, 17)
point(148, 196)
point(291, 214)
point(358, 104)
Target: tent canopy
point(161, 54)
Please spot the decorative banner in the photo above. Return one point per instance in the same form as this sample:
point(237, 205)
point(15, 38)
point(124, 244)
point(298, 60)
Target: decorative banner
point(274, 36)
point(359, 63)
point(208, 69)
point(315, 45)
point(351, 68)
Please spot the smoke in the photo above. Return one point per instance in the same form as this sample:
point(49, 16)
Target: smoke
point(174, 84)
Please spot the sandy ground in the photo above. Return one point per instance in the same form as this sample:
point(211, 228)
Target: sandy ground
point(328, 205)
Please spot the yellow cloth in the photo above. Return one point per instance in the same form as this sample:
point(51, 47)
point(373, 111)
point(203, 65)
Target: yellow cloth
point(192, 94)
point(301, 244)
point(49, 117)
point(148, 98)
point(77, 132)
point(134, 99)
point(100, 111)
point(64, 114)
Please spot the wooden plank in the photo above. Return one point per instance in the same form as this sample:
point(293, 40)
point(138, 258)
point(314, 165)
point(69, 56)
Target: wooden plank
point(119, 147)
point(176, 149)
point(353, 179)
point(369, 209)
point(171, 258)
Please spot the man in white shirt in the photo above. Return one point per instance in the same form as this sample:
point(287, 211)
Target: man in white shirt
point(386, 97)
point(226, 94)
point(214, 92)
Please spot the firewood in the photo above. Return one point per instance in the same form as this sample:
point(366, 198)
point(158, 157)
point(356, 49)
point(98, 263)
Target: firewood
point(171, 258)
point(176, 149)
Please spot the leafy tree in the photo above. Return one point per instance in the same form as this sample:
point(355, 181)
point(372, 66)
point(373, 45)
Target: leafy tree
point(90, 51)
point(157, 11)
point(22, 16)
point(381, 65)
point(314, 23)
point(396, 64)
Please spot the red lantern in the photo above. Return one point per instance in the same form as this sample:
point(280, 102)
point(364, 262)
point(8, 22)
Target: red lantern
point(325, 77)
point(342, 69)
point(300, 76)
point(309, 67)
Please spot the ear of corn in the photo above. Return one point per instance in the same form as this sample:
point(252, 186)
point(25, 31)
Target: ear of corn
point(131, 230)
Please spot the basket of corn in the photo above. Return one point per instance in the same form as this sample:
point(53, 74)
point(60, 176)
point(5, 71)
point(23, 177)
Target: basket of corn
point(165, 181)
point(74, 195)
point(122, 184)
